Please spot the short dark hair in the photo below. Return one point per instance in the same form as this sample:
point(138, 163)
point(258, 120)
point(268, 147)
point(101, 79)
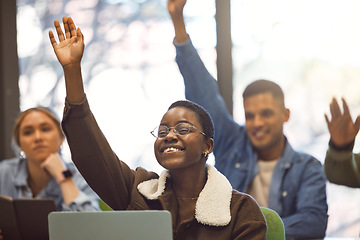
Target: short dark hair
point(262, 86)
point(204, 117)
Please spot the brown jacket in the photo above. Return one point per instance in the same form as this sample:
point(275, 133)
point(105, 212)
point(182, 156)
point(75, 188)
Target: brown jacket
point(221, 213)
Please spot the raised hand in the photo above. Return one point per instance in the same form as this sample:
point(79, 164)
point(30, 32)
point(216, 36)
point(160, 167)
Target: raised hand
point(175, 7)
point(69, 52)
point(70, 48)
point(341, 126)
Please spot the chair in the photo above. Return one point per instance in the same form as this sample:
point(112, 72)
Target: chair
point(103, 206)
point(275, 226)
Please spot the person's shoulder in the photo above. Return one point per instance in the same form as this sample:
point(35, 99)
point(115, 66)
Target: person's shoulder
point(238, 196)
point(9, 162)
point(8, 165)
point(306, 158)
point(299, 157)
point(306, 164)
point(246, 205)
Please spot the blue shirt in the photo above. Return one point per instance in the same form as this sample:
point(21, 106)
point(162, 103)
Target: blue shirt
point(298, 186)
point(13, 183)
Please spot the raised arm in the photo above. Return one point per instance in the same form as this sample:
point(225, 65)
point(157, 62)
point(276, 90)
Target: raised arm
point(201, 87)
point(341, 165)
point(176, 8)
point(110, 178)
point(69, 52)
point(341, 127)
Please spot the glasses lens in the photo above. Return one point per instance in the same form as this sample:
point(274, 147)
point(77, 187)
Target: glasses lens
point(161, 131)
point(182, 128)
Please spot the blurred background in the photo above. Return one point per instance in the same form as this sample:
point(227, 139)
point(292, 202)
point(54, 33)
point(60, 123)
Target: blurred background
point(309, 47)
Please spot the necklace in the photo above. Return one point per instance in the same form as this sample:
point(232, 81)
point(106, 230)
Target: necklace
point(187, 198)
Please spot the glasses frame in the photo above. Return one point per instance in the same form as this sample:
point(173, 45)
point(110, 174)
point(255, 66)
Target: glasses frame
point(175, 131)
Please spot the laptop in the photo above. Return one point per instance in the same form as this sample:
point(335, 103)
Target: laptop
point(111, 225)
point(25, 219)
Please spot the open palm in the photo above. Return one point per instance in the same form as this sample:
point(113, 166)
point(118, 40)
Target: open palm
point(70, 48)
point(341, 126)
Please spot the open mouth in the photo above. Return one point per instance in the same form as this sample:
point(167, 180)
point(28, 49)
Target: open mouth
point(259, 134)
point(172, 149)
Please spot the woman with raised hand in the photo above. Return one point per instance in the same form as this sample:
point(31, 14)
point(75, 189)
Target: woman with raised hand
point(199, 198)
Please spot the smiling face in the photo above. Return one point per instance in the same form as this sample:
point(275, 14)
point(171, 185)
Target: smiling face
point(265, 117)
point(182, 151)
point(39, 136)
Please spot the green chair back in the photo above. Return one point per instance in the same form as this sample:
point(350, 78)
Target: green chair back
point(103, 206)
point(275, 226)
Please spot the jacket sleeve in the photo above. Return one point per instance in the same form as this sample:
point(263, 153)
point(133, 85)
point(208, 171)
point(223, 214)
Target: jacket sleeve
point(342, 167)
point(202, 88)
point(310, 218)
point(110, 178)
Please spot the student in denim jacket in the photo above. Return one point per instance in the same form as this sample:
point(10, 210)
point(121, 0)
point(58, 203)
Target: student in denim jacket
point(257, 158)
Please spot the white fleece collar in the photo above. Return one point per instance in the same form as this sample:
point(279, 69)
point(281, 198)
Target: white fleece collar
point(213, 205)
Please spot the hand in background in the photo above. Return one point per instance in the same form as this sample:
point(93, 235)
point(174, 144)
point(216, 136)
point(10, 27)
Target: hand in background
point(54, 166)
point(175, 8)
point(341, 126)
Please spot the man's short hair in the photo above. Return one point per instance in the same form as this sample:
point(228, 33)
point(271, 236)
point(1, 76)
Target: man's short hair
point(263, 86)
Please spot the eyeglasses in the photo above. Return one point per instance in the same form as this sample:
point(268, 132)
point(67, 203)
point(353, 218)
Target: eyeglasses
point(179, 129)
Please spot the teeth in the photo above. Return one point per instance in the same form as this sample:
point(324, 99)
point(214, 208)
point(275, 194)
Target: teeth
point(259, 134)
point(171, 149)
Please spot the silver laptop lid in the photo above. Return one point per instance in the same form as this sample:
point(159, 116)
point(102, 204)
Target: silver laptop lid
point(109, 225)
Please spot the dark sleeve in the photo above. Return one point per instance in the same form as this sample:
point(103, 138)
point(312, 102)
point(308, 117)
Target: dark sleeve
point(110, 178)
point(342, 167)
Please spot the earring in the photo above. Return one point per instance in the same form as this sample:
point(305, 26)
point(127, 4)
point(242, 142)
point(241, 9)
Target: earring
point(205, 154)
point(22, 154)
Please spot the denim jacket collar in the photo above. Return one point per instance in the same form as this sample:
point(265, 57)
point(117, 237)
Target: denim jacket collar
point(287, 157)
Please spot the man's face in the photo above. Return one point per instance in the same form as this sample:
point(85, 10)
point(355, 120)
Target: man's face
point(265, 116)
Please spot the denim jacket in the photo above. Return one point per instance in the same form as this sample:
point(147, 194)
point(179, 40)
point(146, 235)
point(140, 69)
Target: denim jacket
point(13, 183)
point(298, 186)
